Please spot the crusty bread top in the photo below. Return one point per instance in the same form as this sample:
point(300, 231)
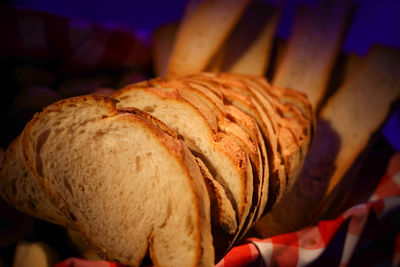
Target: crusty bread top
point(250, 126)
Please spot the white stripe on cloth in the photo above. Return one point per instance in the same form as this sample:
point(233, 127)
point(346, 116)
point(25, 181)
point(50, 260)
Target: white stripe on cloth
point(32, 31)
point(349, 245)
point(306, 256)
point(359, 216)
point(265, 249)
point(356, 210)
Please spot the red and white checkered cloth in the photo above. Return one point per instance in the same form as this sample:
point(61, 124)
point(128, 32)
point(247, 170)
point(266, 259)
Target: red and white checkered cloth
point(365, 235)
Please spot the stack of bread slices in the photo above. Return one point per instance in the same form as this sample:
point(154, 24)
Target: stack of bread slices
point(177, 169)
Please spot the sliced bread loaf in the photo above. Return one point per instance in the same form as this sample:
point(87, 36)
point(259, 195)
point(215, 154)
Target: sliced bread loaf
point(208, 84)
point(277, 175)
point(195, 90)
point(227, 162)
point(82, 148)
point(250, 126)
point(201, 90)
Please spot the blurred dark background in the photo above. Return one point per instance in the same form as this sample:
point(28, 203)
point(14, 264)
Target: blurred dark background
point(375, 21)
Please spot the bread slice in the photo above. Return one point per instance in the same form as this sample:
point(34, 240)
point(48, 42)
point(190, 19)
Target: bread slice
point(34, 254)
point(293, 130)
point(106, 170)
point(19, 187)
point(222, 212)
point(301, 130)
point(209, 90)
point(241, 137)
point(277, 175)
point(250, 126)
point(244, 85)
point(248, 47)
point(195, 89)
point(243, 99)
point(294, 114)
point(221, 209)
point(293, 137)
point(313, 46)
point(238, 132)
point(224, 158)
point(252, 150)
point(203, 91)
point(197, 42)
point(207, 79)
point(358, 94)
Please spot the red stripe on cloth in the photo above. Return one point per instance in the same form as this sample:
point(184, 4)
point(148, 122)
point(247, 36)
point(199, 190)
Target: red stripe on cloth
point(61, 264)
point(284, 255)
point(287, 239)
point(240, 256)
point(285, 251)
point(329, 228)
